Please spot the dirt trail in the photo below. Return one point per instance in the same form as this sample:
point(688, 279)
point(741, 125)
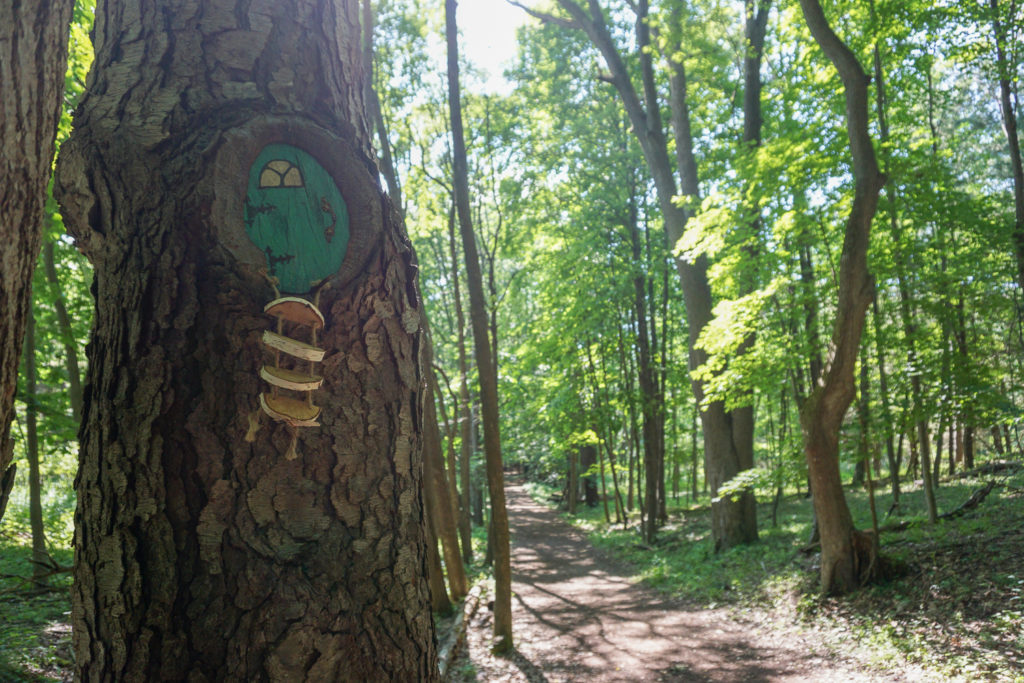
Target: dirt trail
point(577, 617)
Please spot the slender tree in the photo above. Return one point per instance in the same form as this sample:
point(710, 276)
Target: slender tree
point(848, 557)
point(35, 505)
point(486, 367)
point(220, 157)
point(1008, 108)
point(67, 335)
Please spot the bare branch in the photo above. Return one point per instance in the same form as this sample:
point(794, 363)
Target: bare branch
point(546, 17)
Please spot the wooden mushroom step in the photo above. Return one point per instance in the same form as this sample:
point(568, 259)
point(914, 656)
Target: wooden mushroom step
point(290, 379)
point(293, 347)
point(294, 412)
point(297, 310)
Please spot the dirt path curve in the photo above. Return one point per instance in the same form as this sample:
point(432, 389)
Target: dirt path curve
point(577, 617)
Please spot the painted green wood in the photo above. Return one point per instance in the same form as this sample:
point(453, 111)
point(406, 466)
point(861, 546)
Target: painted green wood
point(295, 214)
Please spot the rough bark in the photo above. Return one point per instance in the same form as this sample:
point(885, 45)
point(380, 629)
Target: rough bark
point(201, 551)
point(33, 59)
point(847, 556)
point(485, 362)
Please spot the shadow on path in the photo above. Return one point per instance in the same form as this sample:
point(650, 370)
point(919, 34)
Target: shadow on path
point(578, 617)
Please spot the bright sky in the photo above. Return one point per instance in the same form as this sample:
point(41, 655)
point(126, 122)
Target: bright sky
point(488, 40)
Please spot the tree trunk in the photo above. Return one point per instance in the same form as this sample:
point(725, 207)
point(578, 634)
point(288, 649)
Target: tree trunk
point(572, 487)
point(35, 495)
point(847, 558)
point(602, 402)
point(33, 59)
point(436, 488)
point(694, 459)
point(588, 461)
point(728, 435)
point(1006, 106)
point(883, 390)
point(465, 412)
point(67, 335)
point(376, 114)
point(440, 603)
point(650, 405)
point(210, 547)
point(486, 367)
point(452, 459)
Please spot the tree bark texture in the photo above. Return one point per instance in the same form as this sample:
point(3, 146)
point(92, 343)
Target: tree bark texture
point(847, 558)
point(202, 552)
point(487, 369)
point(33, 59)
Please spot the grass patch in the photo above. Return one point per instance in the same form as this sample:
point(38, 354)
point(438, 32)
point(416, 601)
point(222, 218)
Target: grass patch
point(957, 614)
point(35, 629)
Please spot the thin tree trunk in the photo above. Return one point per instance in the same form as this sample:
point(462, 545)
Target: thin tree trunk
point(437, 491)
point(67, 335)
point(883, 389)
point(439, 600)
point(604, 485)
point(465, 413)
point(33, 60)
point(35, 496)
point(694, 455)
point(452, 464)
point(650, 406)
point(1006, 101)
point(573, 485)
point(486, 368)
point(620, 511)
point(376, 114)
point(967, 410)
point(632, 435)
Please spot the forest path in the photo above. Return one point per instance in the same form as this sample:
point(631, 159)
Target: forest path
point(578, 617)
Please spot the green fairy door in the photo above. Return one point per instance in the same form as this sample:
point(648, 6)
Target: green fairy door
point(295, 214)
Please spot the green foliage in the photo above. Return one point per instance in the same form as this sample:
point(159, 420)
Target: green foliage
point(35, 633)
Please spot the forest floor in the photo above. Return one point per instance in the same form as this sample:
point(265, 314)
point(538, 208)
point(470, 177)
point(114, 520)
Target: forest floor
point(577, 616)
point(675, 610)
